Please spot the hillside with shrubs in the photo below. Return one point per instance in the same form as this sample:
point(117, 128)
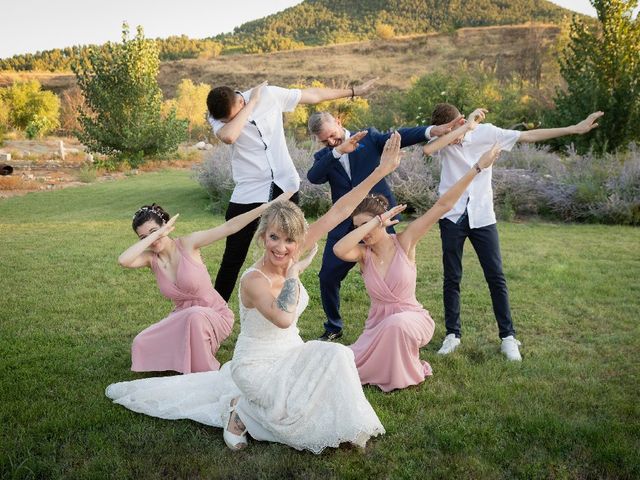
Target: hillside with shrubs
point(322, 22)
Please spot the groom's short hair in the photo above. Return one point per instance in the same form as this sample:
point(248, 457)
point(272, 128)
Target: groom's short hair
point(444, 113)
point(219, 102)
point(317, 120)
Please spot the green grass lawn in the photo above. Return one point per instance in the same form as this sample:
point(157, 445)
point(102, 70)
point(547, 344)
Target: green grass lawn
point(68, 314)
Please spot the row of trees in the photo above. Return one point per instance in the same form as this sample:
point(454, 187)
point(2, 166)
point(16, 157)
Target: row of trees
point(62, 59)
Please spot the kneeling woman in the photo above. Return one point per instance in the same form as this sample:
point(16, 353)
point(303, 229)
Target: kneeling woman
point(188, 339)
point(387, 352)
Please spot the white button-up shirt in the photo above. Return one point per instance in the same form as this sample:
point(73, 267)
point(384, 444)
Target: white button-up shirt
point(456, 160)
point(260, 156)
point(344, 158)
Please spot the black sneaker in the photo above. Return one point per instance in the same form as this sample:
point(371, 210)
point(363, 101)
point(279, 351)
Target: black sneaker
point(328, 336)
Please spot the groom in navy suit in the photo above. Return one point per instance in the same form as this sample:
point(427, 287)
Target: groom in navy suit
point(346, 160)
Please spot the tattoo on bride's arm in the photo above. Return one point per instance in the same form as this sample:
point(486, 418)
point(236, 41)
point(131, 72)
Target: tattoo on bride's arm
point(287, 299)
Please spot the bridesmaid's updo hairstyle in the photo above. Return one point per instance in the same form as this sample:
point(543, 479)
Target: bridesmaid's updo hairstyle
point(373, 204)
point(287, 216)
point(149, 212)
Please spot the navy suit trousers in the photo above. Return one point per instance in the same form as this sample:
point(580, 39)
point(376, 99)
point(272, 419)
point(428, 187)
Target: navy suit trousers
point(487, 246)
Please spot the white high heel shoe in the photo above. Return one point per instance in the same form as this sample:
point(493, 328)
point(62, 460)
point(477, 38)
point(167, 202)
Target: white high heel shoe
point(233, 441)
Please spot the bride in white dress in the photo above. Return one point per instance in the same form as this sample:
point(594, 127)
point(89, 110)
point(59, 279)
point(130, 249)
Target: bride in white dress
point(276, 387)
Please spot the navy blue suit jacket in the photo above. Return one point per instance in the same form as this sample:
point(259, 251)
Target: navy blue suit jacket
point(363, 161)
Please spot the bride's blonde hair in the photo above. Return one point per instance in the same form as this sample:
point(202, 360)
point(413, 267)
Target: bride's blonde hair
point(286, 216)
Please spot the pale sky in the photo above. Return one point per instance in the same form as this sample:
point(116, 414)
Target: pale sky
point(31, 25)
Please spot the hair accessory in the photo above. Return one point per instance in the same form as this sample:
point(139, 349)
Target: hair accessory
point(152, 209)
point(380, 202)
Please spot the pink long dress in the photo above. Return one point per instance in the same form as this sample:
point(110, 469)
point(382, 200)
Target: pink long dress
point(188, 339)
point(387, 353)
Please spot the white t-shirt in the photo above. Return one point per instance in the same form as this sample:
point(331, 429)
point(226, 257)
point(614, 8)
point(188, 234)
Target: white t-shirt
point(260, 156)
point(456, 160)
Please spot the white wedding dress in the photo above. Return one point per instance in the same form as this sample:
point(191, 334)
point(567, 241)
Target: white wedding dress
point(305, 395)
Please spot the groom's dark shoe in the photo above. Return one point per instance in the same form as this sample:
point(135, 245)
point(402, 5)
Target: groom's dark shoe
point(328, 336)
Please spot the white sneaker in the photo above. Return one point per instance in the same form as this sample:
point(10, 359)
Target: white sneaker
point(450, 343)
point(510, 348)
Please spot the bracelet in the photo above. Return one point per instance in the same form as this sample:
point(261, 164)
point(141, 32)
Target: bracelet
point(353, 92)
point(477, 167)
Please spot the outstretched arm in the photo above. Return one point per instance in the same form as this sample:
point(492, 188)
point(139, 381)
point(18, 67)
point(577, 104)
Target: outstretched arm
point(581, 128)
point(317, 95)
point(340, 210)
point(348, 248)
point(137, 256)
point(475, 118)
point(419, 227)
point(206, 237)
point(232, 129)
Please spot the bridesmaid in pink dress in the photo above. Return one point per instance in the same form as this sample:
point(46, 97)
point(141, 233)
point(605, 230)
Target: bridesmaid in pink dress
point(188, 339)
point(387, 353)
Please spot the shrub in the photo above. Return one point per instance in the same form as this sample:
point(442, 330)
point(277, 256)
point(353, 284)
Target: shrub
point(528, 181)
point(122, 117)
point(384, 31)
point(87, 174)
point(29, 107)
point(509, 102)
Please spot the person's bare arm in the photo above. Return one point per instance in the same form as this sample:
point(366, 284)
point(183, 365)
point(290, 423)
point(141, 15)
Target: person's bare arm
point(137, 256)
point(341, 210)
point(475, 117)
point(230, 132)
point(419, 227)
point(581, 128)
point(203, 238)
point(317, 95)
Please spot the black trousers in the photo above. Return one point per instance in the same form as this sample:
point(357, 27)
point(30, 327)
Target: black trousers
point(487, 246)
point(237, 245)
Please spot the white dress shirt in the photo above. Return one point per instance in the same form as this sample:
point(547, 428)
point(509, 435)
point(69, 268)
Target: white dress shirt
point(344, 158)
point(260, 156)
point(456, 160)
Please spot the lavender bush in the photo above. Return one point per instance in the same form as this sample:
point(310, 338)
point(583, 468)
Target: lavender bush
point(528, 181)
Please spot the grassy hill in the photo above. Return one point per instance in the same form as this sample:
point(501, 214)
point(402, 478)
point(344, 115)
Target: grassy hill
point(396, 61)
point(324, 22)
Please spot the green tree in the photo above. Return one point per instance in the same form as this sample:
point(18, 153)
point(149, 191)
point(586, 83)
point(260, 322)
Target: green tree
point(122, 115)
point(30, 108)
point(191, 105)
point(601, 68)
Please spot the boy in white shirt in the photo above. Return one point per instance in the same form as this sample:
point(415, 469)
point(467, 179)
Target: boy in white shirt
point(473, 217)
